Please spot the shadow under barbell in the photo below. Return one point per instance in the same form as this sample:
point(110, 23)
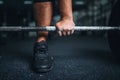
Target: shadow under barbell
point(53, 28)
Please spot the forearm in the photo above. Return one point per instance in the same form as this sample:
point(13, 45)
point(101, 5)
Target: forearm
point(65, 9)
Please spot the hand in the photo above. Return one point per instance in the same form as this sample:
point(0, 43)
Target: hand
point(65, 27)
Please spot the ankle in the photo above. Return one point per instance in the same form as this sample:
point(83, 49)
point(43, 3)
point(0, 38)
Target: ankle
point(41, 39)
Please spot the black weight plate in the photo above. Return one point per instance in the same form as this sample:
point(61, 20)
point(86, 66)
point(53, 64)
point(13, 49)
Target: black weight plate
point(114, 41)
point(114, 36)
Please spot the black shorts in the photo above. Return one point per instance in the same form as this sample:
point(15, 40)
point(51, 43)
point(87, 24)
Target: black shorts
point(44, 0)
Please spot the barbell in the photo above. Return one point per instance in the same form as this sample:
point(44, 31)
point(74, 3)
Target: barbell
point(53, 28)
point(114, 39)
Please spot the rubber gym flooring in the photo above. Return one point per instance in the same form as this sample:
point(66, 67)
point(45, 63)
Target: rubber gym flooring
point(76, 58)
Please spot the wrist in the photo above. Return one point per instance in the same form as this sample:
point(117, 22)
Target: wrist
point(66, 18)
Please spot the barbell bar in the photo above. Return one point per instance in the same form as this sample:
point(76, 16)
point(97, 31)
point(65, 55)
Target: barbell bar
point(53, 28)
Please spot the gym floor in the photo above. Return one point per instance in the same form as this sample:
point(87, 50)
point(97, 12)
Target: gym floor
point(76, 58)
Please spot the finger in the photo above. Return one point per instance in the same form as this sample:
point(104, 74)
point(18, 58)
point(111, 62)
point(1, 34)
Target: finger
point(64, 33)
point(60, 33)
point(68, 33)
point(72, 31)
point(65, 30)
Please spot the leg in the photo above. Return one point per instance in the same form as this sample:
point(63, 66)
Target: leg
point(43, 14)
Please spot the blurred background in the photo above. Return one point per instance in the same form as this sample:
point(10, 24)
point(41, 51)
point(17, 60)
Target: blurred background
point(85, 12)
